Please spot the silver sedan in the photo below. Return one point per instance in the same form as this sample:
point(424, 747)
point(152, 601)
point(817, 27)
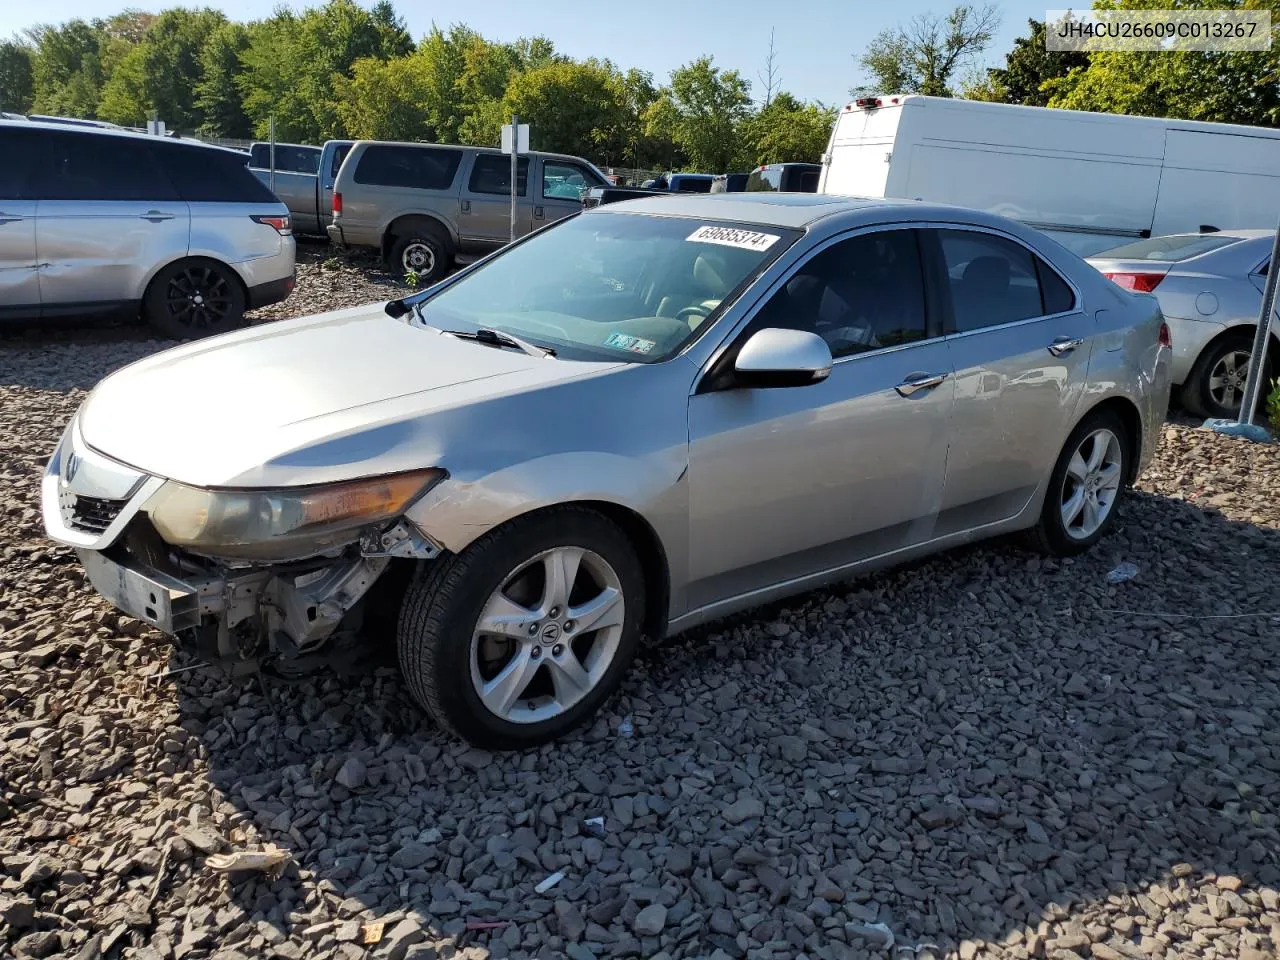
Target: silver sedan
point(644, 417)
point(1210, 289)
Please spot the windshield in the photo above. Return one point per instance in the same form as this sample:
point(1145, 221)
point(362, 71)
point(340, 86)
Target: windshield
point(610, 286)
point(1169, 249)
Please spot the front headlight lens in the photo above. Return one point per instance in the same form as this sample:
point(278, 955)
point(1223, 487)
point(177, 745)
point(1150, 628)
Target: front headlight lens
point(281, 524)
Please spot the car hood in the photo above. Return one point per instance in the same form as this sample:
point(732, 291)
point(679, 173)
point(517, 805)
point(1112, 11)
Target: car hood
point(314, 400)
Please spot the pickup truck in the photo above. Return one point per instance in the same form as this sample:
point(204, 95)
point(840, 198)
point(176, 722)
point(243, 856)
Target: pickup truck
point(304, 177)
point(597, 196)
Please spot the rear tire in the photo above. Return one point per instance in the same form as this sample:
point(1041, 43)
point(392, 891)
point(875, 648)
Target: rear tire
point(420, 251)
point(561, 656)
point(191, 299)
point(1085, 486)
point(1219, 376)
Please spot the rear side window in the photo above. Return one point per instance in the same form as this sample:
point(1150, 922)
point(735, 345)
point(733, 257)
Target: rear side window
point(86, 166)
point(20, 149)
point(1169, 249)
point(693, 185)
point(994, 280)
point(290, 158)
point(809, 182)
point(204, 175)
point(491, 173)
point(421, 168)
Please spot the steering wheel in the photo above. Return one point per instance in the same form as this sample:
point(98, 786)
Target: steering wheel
point(698, 312)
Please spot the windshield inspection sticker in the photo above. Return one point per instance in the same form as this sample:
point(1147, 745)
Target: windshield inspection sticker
point(730, 237)
point(625, 341)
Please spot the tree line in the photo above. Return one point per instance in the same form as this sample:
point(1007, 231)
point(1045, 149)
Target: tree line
point(342, 71)
point(936, 55)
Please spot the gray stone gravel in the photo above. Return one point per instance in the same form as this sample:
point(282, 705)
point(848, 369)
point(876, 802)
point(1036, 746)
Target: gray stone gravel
point(989, 752)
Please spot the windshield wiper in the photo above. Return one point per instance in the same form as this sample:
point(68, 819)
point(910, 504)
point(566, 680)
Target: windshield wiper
point(497, 338)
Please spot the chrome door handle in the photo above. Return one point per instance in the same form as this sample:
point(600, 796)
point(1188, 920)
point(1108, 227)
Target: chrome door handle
point(155, 216)
point(919, 381)
point(1061, 346)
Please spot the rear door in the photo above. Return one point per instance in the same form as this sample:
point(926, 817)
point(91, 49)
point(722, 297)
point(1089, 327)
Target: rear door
point(484, 223)
point(107, 216)
point(563, 183)
point(19, 275)
point(1019, 343)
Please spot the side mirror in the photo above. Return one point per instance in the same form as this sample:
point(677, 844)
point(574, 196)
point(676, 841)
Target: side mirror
point(774, 357)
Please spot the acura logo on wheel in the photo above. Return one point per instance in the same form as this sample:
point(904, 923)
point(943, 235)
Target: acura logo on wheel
point(551, 633)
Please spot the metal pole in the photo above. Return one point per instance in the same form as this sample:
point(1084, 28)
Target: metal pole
point(1257, 360)
point(515, 171)
point(272, 132)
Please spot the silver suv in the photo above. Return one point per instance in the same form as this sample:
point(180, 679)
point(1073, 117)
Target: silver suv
point(425, 206)
point(96, 221)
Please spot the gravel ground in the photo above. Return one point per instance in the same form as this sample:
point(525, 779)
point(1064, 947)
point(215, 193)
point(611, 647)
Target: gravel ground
point(991, 753)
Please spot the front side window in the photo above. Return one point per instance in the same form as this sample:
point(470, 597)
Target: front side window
point(992, 280)
point(610, 286)
point(421, 168)
point(860, 294)
point(87, 166)
point(491, 173)
point(564, 181)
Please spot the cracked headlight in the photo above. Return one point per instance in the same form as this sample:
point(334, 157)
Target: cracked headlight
point(283, 524)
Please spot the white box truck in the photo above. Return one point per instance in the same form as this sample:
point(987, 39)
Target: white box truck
point(1091, 180)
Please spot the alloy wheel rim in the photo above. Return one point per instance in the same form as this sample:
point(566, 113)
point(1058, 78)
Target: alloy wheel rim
point(547, 635)
point(1091, 484)
point(418, 257)
point(199, 298)
point(1227, 379)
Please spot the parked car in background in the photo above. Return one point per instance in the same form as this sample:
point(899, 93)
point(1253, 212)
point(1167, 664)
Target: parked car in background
point(1090, 180)
point(74, 122)
point(427, 206)
point(729, 183)
point(304, 179)
point(1210, 289)
point(595, 196)
point(464, 467)
point(95, 220)
point(784, 178)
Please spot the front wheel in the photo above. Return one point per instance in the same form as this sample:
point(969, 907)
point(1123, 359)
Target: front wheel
point(194, 298)
point(1085, 486)
point(1215, 387)
point(522, 636)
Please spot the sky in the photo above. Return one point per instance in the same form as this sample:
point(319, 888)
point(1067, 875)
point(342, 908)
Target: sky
point(815, 41)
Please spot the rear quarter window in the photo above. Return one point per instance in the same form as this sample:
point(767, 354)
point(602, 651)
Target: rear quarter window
point(420, 168)
point(764, 181)
point(204, 175)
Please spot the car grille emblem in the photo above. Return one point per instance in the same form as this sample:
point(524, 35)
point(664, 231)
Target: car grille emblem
point(73, 464)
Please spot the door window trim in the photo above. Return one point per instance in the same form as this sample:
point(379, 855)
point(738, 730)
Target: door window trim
point(939, 272)
point(734, 341)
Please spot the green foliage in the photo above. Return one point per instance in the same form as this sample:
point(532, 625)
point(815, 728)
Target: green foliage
point(411, 278)
point(787, 131)
point(217, 94)
point(1028, 66)
point(67, 69)
point(17, 77)
point(578, 108)
point(1185, 85)
point(923, 56)
point(703, 113)
point(1273, 404)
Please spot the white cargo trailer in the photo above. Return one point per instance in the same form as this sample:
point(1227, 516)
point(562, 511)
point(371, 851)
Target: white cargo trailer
point(1090, 180)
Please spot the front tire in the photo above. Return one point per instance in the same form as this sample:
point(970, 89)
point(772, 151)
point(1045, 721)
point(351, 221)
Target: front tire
point(523, 636)
point(191, 299)
point(1085, 487)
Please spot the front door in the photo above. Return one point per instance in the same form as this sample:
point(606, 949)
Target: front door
point(108, 216)
point(485, 221)
point(1020, 344)
point(786, 483)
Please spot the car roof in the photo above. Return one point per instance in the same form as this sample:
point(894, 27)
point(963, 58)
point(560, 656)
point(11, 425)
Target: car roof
point(794, 210)
point(107, 132)
point(458, 146)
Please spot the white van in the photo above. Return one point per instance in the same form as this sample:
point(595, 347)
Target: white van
point(1090, 180)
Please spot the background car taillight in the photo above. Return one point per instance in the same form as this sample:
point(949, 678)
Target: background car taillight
point(337, 204)
point(1166, 338)
point(282, 225)
point(1137, 282)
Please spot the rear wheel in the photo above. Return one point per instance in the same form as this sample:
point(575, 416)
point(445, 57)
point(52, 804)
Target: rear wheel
point(1085, 486)
point(522, 636)
point(194, 298)
point(1216, 385)
point(421, 253)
